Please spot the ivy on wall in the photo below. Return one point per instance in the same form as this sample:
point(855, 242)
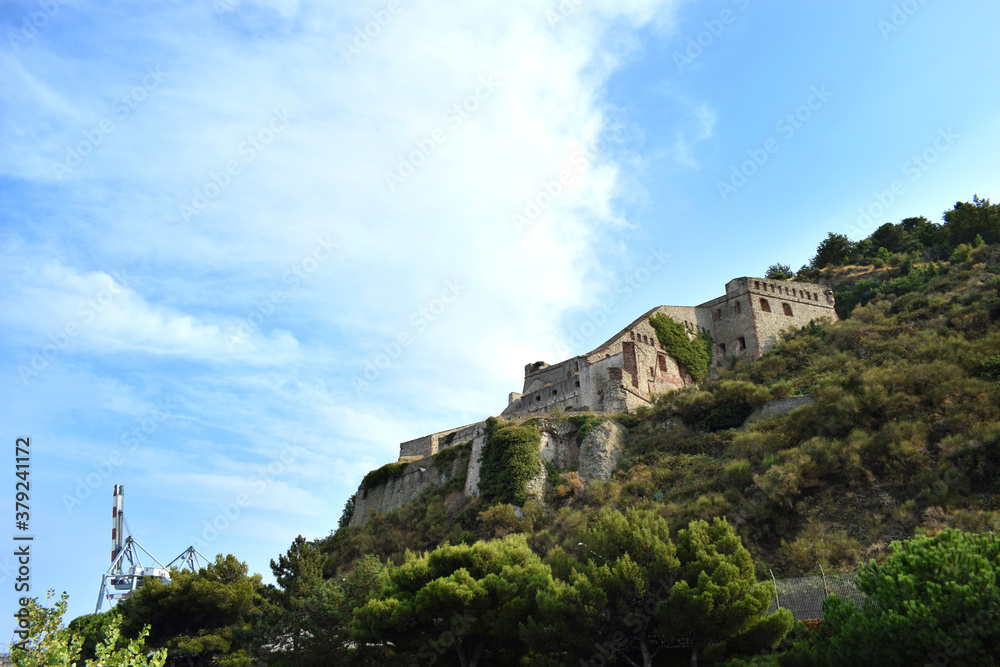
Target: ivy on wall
point(387, 472)
point(695, 355)
point(510, 460)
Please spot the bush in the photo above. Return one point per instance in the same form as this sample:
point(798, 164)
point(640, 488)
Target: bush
point(387, 472)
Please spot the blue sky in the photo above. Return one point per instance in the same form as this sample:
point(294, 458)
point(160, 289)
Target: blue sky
point(248, 248)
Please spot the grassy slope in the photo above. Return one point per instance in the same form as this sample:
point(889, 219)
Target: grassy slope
point(904, 436)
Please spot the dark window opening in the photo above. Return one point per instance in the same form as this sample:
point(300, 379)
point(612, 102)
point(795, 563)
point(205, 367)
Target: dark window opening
point(555, 391)
point(756, 284)
point(662, 361)
point(787, 308)
point(742, 343)
point(578, 383)
point(538, 398)
point(722, 349)
point(765, 306)
point(737, 307)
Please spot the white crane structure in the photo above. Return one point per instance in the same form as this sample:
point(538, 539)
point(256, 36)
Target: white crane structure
point(127, 572)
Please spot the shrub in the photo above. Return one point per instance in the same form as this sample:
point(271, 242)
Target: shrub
point(738, 474)
point(387, 472)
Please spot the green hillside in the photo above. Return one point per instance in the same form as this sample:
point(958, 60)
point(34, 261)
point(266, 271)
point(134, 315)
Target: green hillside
point(893, 469)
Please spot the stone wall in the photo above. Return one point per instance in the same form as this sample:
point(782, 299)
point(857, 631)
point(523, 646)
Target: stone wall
point(419, 475)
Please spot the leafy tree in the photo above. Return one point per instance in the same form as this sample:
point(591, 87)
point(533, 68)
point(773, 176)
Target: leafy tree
point(967, 220)
point(347, 514)
point(934, 600)
point(635, 564)
point(200, 617)
point(51, 644)
point(94, 630)
point(834, 250)
point(306, 620)
point(467, 602)
point(778, 272)
point(717, 598)
point(284, 613)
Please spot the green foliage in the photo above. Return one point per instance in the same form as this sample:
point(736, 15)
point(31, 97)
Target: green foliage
point(200, 617)
point(968, 220)
point(779, 272)
point(695, 355)
point(384, 474)
point(717, 597)
point(990, 369)
point(444, 458)
point(463, 602)
point(510, 460)
point(935, 598)
point(347, 514)
point(835, 250)
point(584, 425)
point(51, 644)
point(306, 620)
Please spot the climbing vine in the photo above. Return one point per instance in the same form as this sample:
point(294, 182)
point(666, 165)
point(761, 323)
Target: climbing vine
point(510, 460)
point(695, 355)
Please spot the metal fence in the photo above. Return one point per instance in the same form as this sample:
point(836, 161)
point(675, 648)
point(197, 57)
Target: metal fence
point(803, 596)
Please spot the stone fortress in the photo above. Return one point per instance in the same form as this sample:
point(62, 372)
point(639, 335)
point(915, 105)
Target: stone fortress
point(624, 372)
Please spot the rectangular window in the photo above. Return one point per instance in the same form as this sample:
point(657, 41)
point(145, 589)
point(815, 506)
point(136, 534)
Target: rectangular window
point(742, 343)
point(662, 362)
point(718, 314)
point(756, 284)
point(736, 306)
point(787, 308)
point(765, 306)
point(722, 349)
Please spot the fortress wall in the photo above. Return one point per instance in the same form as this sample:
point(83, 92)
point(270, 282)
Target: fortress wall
point(394, 493)
point(805, 302)
point(694, 318)
point(733, 327)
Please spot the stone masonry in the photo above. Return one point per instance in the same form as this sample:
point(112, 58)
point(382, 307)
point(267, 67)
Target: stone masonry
point(629, 368)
